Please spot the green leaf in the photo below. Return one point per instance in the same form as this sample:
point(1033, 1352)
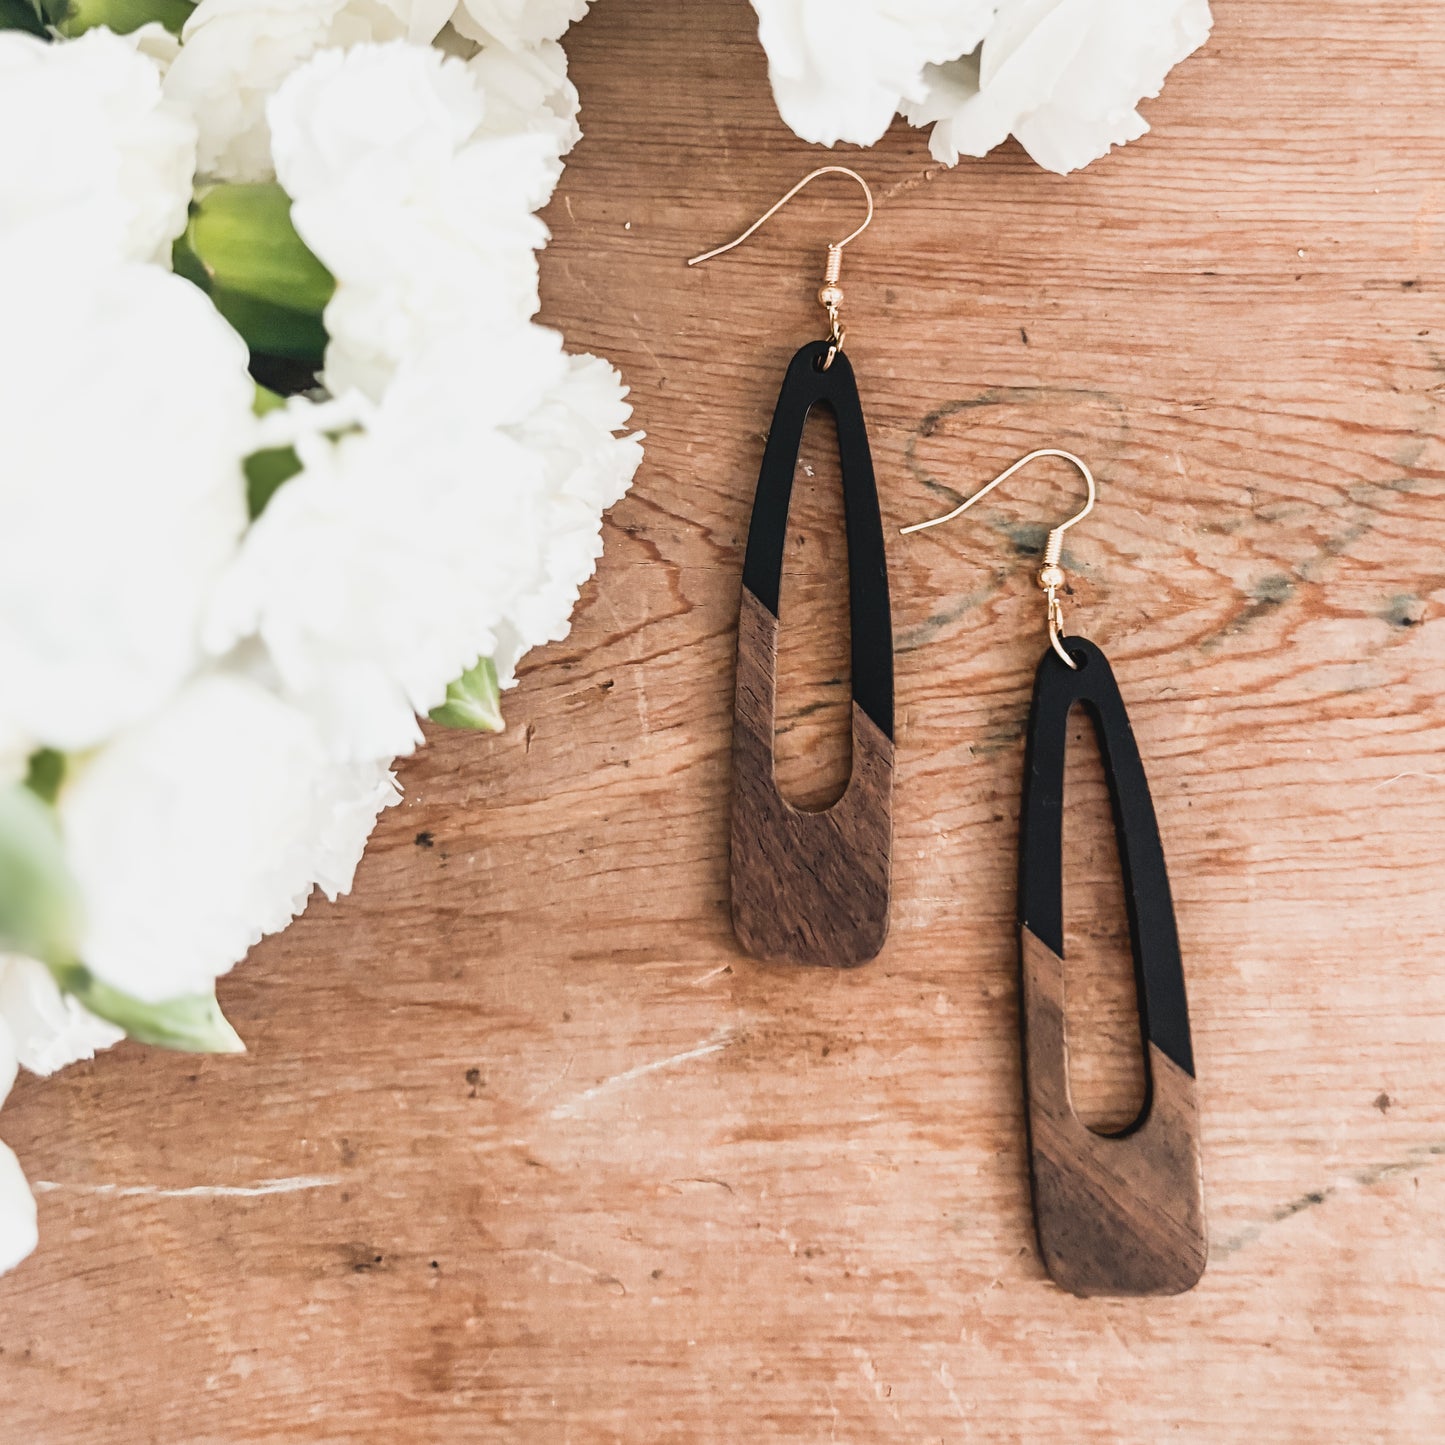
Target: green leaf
point(265, 473)
point(75, 17)
point(243, 238)
point(191, 1025)
point(45, 774)
point(39, 902)
point(273, 330)
point(22, 15)
point(240, 247)
point(474, 701)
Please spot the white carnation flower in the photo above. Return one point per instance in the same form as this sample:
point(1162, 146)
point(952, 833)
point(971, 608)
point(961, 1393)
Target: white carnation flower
point(1064, 76)
point(18, 1234)
point(841, 69)
point(424, 222)
point(588, 469)
point(49, 1029)
point(99, 167)
point(237, 52)
point(205, 827)
point(379, 574)
point(384, 109)
point(517, 23)
point(528, 93)
point(125, 412)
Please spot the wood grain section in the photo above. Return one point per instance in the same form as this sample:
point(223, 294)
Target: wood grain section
point(558, 1162)
point(806, 887)
point(1118, 1214)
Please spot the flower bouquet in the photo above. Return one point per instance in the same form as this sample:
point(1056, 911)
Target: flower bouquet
point(287, 466)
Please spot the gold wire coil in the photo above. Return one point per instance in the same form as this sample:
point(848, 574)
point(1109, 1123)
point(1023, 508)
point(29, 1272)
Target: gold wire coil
point(830, 294)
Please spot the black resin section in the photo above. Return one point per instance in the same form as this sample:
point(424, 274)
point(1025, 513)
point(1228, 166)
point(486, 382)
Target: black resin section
point(805, 386)
point(1158, 969)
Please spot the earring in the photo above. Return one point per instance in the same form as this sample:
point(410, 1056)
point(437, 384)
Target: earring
point(1118, 1214)
point(812, 887)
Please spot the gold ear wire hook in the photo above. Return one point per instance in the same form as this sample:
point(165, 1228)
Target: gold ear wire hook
point(1051, 575)
point(830, 294)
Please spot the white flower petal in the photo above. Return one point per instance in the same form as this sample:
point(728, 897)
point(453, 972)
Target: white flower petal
point(18, 1233)
point(49, 1028)
point(841, 69)
point(9, 1056)
point(205, 827)
point(589, 468)
point(517, 23)
point(424, 19)
point(528, 93)
point(15, 750)
point(156, 43)
point(100, 166)
point(121, 494)
point(1064, 76)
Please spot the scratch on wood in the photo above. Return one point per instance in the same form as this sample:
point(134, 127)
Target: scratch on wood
point(909, 183)
point(600, 1275)
point(299, 1184)
point(1411, 773)
point(708, 977)
point(945, 1378)
point(572, 1107)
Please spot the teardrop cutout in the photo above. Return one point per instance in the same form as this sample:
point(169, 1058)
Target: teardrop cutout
point(813, 887)
point(813, 726)
point(1106, 1063)
point(1120, 1214)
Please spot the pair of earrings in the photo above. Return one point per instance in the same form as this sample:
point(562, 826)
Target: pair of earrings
point(1116, 1214)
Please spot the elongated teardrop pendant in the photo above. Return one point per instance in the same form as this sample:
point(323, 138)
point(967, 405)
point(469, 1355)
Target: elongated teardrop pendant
point(813, 887)
point(1119, 1214)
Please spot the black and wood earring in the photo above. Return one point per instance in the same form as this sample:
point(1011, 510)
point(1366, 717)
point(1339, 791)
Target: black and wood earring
point(812, 887)
point(1122, 1213)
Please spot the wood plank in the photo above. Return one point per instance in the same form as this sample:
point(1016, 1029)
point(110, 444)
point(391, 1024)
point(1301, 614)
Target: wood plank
point(572, 1167)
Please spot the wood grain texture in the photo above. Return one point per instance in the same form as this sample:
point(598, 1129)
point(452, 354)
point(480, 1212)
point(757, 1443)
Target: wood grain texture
point(566, 1166)
point(1120, 1214)
point(806, 887)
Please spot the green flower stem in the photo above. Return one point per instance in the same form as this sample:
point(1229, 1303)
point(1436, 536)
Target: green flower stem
point(75, 17)
point(474, 701)
point(240, 247)
point(192, 1025)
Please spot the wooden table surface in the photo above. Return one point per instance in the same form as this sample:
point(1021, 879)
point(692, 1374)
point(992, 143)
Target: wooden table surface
point(526, 1150)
